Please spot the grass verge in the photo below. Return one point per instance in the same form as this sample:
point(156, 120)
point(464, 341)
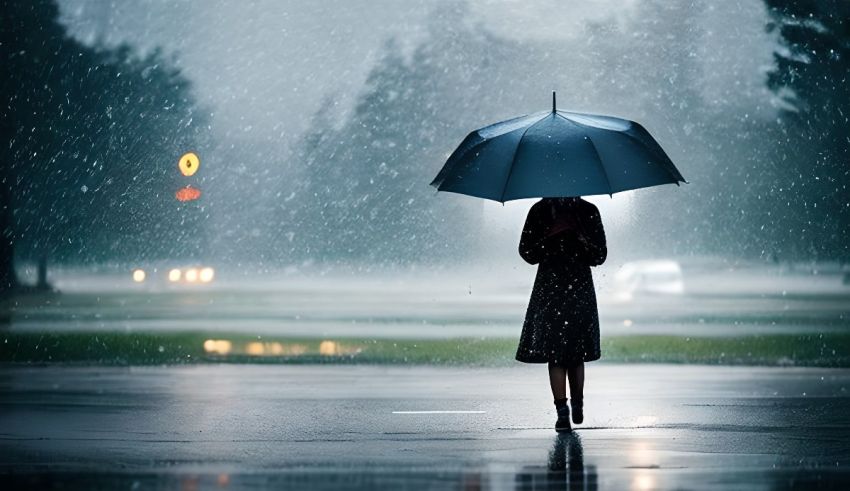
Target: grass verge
point(140, 348)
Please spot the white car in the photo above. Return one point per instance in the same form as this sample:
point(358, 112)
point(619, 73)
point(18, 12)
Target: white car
point(653, 277)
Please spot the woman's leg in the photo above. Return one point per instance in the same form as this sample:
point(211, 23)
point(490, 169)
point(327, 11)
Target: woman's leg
point(575, 373)
point(558, 381)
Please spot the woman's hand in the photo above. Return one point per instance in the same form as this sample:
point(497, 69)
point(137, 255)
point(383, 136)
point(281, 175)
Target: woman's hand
point(560, 243)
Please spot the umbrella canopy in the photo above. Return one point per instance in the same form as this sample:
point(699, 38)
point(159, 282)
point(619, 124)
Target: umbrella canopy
point(556, 154)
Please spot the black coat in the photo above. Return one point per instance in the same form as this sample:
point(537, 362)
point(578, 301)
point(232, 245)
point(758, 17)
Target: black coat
point(562, 321)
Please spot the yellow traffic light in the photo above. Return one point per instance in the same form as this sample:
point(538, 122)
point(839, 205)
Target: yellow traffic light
point(189, 164)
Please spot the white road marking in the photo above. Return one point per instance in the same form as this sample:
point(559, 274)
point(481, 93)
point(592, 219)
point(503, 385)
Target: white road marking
point(439, 412)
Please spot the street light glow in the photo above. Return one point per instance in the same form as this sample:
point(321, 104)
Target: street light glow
point(188, 194)
point(191, 275)
point(255, 349)
point(218, 346)
point(328, 348)
point(206, 275)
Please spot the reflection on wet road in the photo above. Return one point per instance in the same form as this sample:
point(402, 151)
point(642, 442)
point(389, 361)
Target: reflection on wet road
point(362, 427)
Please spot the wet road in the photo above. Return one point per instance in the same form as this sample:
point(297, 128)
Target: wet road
point(330, 426)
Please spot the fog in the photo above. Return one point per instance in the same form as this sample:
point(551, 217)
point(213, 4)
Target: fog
point(270, 73)
point(319, 127)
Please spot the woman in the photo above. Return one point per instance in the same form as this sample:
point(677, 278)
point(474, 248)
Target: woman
point(565, 237)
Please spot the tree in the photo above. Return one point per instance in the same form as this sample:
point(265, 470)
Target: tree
point(717, 144)
point(808, 197)
point(94, 137)
point(364, 183)
point(667, 99)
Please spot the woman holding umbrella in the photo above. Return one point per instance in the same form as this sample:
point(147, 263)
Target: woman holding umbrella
point(559, 155)
point(565, 237)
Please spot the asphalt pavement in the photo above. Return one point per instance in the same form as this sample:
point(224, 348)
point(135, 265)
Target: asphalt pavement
point(368, 427)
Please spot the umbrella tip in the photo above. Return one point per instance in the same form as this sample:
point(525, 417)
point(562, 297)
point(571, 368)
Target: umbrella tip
point(553, 101)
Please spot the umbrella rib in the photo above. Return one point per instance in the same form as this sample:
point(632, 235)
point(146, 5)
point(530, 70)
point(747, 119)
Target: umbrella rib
point(598, 157)
point(601, 164)
point(458, 158)
point(447, 170)
point(511, 170)
point(662, 159)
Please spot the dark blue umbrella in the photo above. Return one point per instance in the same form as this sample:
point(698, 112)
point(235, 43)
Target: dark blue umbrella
point(556, 154)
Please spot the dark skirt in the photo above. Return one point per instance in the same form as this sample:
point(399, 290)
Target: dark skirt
point(562, 321)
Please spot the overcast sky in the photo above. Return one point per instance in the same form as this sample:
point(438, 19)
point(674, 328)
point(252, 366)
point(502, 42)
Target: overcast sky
point(265, 65)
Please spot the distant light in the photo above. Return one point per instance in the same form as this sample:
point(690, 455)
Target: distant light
point(206, 275)
point(138, 275)
point(643, 481)
point(191, 275)
point(255, 349)
point(328, 348)
point(218, 346)
point(188, 194)
point(189, 164)
point(295, 349)
point(276, 348)
point(174, 275)
point(628, 323)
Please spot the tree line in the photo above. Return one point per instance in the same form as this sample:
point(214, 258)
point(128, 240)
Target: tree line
point(88, 168)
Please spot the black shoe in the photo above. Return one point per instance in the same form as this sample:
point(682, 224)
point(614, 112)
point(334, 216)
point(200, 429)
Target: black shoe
point(563, 423)
point(578, 410)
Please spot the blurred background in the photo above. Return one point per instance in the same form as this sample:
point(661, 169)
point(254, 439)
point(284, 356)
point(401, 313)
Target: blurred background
point(317, 127)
